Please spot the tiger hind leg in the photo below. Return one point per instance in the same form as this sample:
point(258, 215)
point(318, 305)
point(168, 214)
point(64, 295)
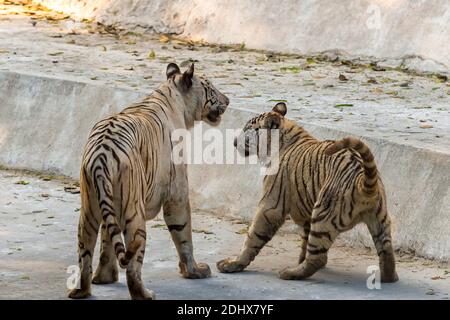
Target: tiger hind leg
point(136, 231)
point(87, 237)
point(379, 225)
point(320, 238)
point(304, 233)
point(107, 270)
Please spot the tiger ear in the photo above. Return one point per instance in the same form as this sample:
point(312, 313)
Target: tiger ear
point(186, 80)
point(280, 108)
point(273, 122)
point(172, 69)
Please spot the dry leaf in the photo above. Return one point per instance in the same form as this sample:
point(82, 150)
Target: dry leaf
point(151, 55)
point(242, 231)
point(164, 39)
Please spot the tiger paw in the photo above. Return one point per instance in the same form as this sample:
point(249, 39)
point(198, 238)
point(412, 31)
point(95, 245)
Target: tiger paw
point(296, 273)
point(200, 271)
point(105, 276)
point(230, 266)
point(143, 294)
point(389, 277)
point(79, 293)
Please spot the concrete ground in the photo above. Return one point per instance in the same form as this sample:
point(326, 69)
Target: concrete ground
point(38, 222)
point(351, 95)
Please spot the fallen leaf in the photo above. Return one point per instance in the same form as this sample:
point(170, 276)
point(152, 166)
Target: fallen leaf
point(159, 225)
point(441, 78)
point(426, 126)
point(242, 231)
point(22, 182)
point(377, 90)
point(151, 55)
point(378, 68)
point(341, 105)
point(202, 231)
point(58, 53)
point(387, 80)
point(422, 107)
point(164, 39)
point(392, 93)
point(72, 189)
point(291, 69)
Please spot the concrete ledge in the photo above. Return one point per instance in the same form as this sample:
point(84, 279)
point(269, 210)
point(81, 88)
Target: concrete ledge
point(384, 29)
point(44, 124)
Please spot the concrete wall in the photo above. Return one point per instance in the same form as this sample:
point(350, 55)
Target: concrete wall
point(44, 124)
point(380, 28)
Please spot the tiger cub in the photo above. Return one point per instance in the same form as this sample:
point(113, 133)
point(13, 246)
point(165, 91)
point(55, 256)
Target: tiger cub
point(327, 187)
point(127, 175)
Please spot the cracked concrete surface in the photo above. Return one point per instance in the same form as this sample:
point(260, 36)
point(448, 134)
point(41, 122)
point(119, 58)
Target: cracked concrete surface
point(38, 222)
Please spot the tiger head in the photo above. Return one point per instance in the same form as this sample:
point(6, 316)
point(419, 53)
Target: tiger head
point(205, 102)
point(250, 141)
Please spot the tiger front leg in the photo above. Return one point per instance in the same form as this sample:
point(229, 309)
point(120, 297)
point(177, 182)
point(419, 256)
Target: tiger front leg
point(178, 219)
point(264, 226)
